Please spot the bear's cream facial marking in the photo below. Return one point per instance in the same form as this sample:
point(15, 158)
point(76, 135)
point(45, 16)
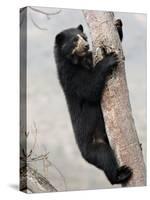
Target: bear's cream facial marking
point(81, 46)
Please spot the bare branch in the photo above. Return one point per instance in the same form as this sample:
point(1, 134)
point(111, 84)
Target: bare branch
point(43, 12)
point(36, 182)
point(27, 159)
point(47, 14)
point(36, 25)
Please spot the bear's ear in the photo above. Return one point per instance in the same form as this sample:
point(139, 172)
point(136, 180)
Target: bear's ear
point(60, 38)
point(80, 27)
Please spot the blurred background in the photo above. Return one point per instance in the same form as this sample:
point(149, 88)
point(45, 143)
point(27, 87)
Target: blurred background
point(47, 115)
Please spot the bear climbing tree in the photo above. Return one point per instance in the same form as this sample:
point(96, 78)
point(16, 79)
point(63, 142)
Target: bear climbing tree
point(116, 106)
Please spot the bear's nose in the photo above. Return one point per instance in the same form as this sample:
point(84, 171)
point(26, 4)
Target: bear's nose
point(87, 46)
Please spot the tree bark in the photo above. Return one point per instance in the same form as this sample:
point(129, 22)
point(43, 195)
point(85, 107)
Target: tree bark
point(32, 181)
point(115, 103)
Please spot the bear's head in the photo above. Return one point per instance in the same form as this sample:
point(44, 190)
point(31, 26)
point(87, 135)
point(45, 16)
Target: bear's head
point(72, 43)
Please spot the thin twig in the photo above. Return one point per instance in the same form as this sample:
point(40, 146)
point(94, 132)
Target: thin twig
point(43, 12)
point(36, 25)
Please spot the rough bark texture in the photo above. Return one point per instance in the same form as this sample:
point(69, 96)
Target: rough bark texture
point(32, 181)
point(116, 106)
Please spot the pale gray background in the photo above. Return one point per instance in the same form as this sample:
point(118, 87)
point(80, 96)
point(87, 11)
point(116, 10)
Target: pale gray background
point(46, 104)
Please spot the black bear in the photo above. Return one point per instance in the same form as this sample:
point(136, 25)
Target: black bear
point(83, 85)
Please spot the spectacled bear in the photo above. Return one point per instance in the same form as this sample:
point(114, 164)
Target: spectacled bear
point(83, 85)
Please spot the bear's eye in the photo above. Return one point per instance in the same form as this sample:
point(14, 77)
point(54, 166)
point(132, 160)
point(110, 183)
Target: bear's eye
point(84, 37)
point(75, 39)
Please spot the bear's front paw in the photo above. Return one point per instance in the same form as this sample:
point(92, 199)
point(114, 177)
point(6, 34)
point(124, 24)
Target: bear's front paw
point(112, 59)
point(124, 173)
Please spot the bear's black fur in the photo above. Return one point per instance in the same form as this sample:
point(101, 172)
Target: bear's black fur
point(83, 85)
point(118, 24)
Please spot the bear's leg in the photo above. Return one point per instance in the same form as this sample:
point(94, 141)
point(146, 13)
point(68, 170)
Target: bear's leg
point(98, 153)
point(102, 156)
point(100, 134)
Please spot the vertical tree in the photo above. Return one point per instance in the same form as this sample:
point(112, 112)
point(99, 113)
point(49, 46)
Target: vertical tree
point(116, 106)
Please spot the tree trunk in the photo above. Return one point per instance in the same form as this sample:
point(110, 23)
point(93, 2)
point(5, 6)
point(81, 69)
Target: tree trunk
point(116, 106)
